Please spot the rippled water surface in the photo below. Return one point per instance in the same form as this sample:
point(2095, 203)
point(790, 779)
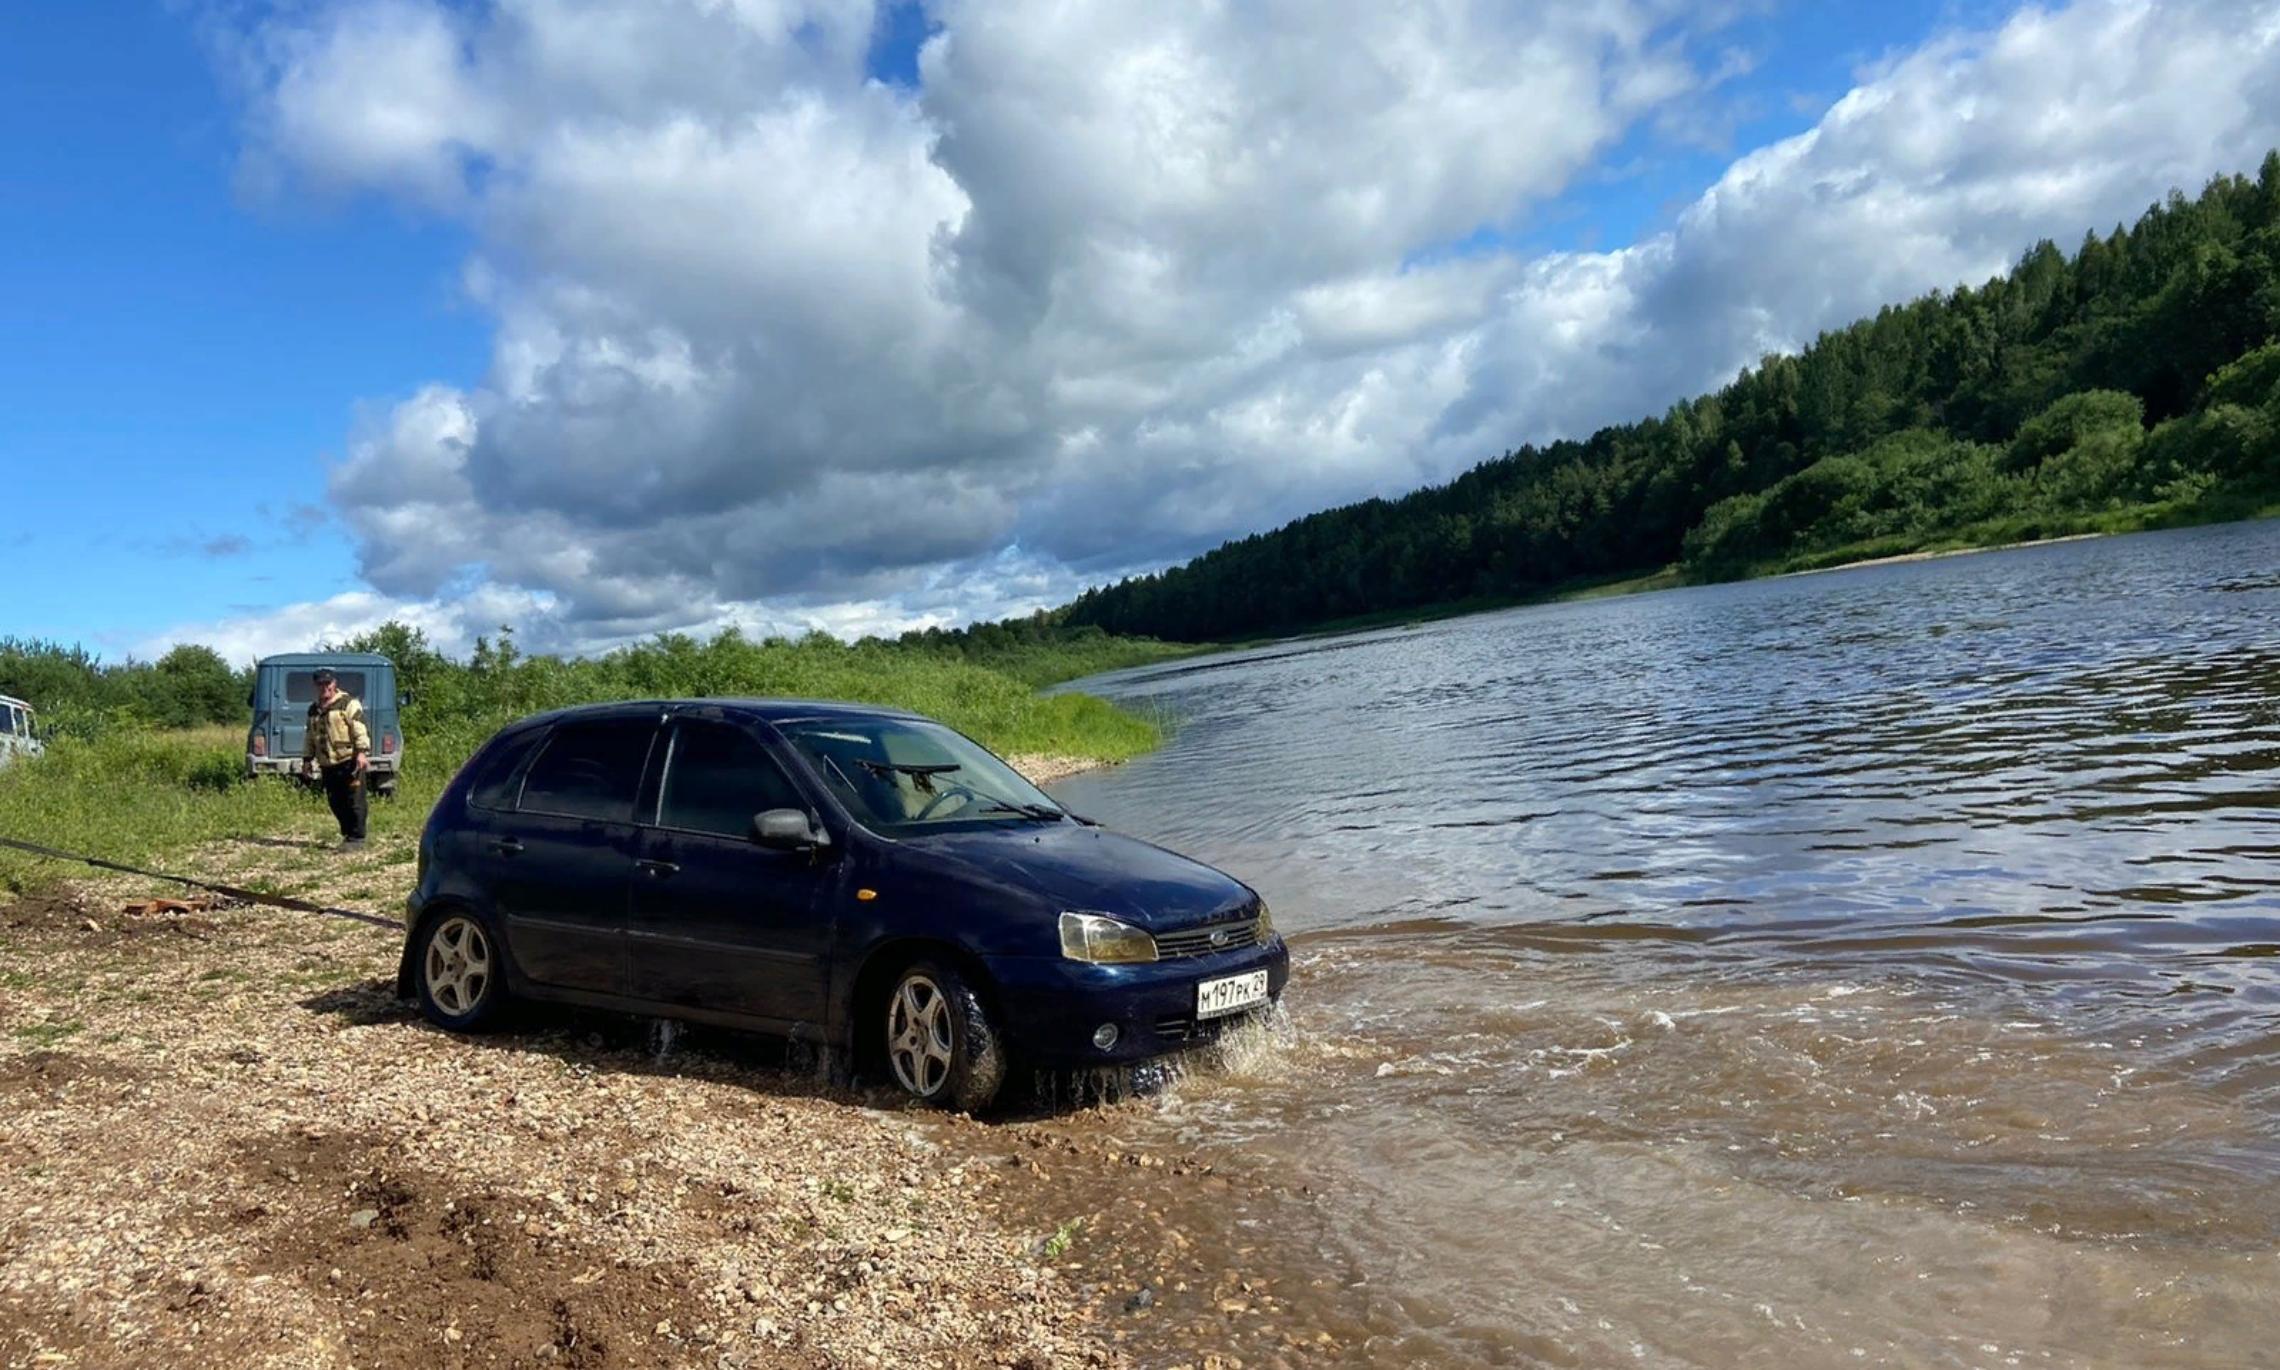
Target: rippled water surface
point(1879, 967)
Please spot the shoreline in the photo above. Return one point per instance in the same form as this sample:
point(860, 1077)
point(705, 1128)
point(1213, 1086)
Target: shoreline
point(1934, 554)
point(1044, 768)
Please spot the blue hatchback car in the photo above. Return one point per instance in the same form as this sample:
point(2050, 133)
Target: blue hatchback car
point(862, 878)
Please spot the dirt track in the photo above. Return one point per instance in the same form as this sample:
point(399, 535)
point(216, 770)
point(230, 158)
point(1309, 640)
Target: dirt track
point(224, 1142)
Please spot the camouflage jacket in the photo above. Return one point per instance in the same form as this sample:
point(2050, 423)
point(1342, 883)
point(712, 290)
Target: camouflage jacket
point(336, 734)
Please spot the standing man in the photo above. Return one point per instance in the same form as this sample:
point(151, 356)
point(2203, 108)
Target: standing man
point(337, 744)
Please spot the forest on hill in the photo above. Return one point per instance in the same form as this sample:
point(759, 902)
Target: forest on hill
point(2135, 384)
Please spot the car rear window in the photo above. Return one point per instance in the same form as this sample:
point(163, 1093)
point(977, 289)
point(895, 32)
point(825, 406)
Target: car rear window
point(590, 770)
point(717, 777)
point(301, 686)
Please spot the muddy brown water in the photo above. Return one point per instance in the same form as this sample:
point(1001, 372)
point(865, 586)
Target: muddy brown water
point(1871, 968)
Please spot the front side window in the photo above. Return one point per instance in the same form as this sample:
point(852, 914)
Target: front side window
point(717, 777)
point(590, 770)
point(15, 721)
point(902, 775)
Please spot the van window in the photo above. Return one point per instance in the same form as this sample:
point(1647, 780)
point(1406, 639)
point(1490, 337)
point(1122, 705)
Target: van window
point(301, 686)
point(590, 770)
point(15, 721)
point(494, 786)
point(717, 776)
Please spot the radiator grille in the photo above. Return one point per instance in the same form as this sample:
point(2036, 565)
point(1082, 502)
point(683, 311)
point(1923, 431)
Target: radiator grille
point(1170, 946)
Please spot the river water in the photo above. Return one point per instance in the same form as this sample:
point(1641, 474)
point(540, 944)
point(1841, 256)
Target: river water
point(1879, 967)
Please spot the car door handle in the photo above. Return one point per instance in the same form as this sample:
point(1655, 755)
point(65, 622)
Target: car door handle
point(507, 846)
point(658, 870)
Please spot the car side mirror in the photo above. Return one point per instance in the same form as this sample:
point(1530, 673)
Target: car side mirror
point(786, 830)
point(403, 698)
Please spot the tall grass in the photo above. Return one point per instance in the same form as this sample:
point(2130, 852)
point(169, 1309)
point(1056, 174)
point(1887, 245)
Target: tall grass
point(133, 794)
point(128, 795)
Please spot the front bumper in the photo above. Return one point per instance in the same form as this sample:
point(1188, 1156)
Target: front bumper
point(1052, 1005)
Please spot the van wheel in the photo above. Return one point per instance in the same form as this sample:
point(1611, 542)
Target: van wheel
point(940, 1042)
point(461, 973)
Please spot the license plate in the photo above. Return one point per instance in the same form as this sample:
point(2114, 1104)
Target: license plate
point(1218, 998)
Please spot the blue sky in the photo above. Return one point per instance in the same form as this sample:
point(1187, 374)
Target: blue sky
point(181, 362)
point(193, 348)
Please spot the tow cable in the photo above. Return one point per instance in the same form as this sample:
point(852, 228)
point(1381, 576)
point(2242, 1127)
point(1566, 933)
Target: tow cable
point(275, 901)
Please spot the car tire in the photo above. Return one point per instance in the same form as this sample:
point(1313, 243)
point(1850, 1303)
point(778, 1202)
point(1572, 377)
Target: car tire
point(459, 971)
point(940, 1043)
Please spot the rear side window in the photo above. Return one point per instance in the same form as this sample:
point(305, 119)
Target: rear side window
point(494, 785)
point(301, 686)
point(717, 777)
point(590, 770)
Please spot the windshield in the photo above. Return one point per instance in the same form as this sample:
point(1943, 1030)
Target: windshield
point(900, 775)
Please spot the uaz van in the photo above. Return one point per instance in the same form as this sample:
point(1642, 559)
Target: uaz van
point(862, 878)
point(285, 686)
point(19, 735)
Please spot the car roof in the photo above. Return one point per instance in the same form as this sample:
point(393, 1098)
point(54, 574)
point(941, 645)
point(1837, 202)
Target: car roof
point(768, 710)
point(19, 703)
point(326, 659)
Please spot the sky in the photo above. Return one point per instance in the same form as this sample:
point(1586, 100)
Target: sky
point(604, 318)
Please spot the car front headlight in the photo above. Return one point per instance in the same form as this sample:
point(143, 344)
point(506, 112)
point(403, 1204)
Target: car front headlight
point(1104, 941)
point(1266, 930)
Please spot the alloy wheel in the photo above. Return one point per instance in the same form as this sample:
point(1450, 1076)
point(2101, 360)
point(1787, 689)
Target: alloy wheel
point(458, 966)
point(919, 1043)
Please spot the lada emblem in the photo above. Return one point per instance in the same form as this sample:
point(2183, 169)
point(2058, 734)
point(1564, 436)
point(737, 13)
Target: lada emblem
point(1221, 938)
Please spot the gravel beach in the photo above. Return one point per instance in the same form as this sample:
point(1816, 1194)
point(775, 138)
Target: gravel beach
point(223, 1141)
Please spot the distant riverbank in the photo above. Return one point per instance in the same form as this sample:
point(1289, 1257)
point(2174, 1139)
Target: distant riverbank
point(1675, 577)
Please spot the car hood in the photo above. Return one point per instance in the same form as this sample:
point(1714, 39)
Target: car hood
point(1092, 870)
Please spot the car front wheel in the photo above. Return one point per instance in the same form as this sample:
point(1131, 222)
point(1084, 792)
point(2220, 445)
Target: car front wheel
point(461, 975)
point(941, 1044)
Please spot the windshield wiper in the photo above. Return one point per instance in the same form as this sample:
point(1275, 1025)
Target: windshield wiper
point(1043, 813)
point(883, 769)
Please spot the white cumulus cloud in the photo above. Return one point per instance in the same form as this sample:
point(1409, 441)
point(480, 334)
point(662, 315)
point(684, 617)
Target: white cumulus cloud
point(778, 344)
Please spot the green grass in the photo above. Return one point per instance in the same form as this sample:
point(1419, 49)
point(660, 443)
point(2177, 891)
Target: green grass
point(1049, 663)
point(48, 1034)
point(133, 795)
point(1057, 1245)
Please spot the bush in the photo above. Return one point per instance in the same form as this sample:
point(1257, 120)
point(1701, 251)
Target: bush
point(2103, 415)
point(190, 685)
point(2251, 381)
point(2227, 440)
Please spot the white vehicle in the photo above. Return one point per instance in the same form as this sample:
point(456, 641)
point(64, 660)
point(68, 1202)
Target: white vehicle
point(16, 735)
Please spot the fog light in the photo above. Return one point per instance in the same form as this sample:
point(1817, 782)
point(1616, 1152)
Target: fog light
point(1104, 1036)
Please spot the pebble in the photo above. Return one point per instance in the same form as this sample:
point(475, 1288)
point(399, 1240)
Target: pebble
point(1144, 1298)
point(364, 1217)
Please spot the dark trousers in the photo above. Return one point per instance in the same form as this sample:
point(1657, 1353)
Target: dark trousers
point(344, 790)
